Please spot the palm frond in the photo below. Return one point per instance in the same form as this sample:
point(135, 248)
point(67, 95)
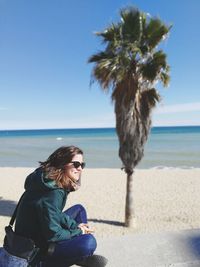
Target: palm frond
point(103, 73)
point(131, 24)
point(107, 70)
point(154, 65)
point(155, 31)
point(110, 34)
point(165, 78)
point(100, 56)
point(148, 100)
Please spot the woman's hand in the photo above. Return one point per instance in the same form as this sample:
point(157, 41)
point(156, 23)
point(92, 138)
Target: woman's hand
point(85, 228)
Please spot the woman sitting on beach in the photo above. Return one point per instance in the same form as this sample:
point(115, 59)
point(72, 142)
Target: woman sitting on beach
point(40, 215)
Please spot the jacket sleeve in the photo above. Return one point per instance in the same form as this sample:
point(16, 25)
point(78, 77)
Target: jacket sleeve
point(67, 222)
point(55, 225)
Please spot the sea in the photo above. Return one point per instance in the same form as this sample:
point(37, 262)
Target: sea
point(167, 147)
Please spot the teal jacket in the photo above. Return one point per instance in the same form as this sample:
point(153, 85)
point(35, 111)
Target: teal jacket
point(40, 215)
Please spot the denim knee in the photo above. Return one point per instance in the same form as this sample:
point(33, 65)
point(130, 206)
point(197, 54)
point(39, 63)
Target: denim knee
point(88, 245)
point(80, 207)
point(75, 208)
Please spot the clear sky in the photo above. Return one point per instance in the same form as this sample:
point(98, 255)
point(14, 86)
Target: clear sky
point(45, 77)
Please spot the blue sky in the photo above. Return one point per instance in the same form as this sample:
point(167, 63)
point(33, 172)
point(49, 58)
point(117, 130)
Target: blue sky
point(45, 77)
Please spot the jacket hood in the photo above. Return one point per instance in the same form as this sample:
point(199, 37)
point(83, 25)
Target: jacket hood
point(36, 182)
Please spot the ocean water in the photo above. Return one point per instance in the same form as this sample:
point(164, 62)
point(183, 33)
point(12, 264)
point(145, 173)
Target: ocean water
point(166, 147)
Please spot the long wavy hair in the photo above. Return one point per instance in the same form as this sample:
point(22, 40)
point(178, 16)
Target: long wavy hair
point(54, 166)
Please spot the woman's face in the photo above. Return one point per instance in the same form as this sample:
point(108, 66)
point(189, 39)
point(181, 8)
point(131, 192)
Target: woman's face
point(71, 171)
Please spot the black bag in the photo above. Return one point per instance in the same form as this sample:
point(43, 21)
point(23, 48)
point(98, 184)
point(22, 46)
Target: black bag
point(17, 245)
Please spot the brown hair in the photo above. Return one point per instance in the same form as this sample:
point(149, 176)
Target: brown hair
point(54, 166)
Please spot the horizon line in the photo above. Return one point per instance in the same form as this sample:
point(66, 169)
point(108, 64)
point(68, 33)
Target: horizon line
point(82, 128)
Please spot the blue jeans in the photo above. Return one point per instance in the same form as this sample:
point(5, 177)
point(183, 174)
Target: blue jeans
point(68, 252)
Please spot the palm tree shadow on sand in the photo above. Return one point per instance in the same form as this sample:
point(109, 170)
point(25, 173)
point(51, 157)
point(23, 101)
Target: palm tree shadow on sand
point(116, 223)
point(7, 207)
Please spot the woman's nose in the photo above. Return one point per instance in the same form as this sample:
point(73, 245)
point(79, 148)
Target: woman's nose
point(79, 168)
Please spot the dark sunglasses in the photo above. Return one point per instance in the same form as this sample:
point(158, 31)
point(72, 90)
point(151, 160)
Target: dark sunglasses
point(77, 164)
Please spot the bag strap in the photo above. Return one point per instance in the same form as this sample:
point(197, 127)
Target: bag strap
point(12, 220)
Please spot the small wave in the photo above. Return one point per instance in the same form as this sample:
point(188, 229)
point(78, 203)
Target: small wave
point(59, 138)
point(172, 168)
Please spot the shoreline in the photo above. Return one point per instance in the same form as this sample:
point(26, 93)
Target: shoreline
point(165, 199)
point(159, 167)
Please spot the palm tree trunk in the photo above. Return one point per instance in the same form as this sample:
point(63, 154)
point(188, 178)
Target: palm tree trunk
point(130, 220)
point(132, 130)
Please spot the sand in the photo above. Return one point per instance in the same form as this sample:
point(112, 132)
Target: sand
point(164, 199)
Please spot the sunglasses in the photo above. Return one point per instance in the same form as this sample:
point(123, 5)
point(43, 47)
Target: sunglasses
point(77, 164)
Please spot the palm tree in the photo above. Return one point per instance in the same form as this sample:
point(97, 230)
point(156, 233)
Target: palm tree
point(130, 66)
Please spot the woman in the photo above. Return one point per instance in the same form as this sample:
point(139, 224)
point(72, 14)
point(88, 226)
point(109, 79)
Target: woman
point(63, 237)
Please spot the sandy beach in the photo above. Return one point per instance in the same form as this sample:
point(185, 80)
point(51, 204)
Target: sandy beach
point(165, 199)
